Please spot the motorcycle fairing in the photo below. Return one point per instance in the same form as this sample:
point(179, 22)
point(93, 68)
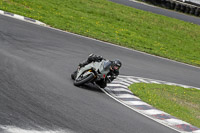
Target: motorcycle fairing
point(101, 66)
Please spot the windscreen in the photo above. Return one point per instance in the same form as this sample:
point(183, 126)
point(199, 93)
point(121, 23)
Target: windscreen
point(106, 65)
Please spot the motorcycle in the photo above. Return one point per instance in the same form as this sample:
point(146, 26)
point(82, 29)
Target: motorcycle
point(94, 72)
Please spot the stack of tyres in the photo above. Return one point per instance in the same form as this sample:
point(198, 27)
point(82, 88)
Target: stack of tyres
point(177, 6)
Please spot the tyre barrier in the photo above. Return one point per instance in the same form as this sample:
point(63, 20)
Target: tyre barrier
point(177, 6)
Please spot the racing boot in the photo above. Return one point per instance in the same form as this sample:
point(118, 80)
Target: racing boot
point(89, 60)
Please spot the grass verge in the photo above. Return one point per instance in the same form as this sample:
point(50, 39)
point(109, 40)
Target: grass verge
point(111, 22)
point(183, 103)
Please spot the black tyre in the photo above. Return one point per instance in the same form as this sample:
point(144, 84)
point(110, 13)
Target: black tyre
point(83, 80)
point(73, 75)
point(101, 83)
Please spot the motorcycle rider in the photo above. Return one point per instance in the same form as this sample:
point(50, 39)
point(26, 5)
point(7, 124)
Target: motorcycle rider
point(91, 58)
point(114, 68)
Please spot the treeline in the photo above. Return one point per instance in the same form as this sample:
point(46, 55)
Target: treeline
point(177, 5)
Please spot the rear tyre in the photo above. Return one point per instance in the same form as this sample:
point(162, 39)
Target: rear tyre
point(101, 84)
point(83, 80)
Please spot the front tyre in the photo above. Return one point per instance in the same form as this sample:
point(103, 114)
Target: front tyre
point(73, 75)
point(82, 80)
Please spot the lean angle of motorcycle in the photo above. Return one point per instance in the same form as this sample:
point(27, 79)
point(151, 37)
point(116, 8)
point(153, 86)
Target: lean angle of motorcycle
point(94, 72)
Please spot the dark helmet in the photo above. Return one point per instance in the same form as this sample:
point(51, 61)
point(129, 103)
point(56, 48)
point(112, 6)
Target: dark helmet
point(116, 64)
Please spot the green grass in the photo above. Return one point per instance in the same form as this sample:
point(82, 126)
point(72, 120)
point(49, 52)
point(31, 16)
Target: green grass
point(111, 22)
point(183, 103)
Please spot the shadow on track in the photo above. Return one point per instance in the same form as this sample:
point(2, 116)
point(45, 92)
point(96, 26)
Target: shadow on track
point(91, 87)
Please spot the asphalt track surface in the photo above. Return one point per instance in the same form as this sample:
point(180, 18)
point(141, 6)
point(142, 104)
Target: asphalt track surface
point(161, 11)
point(36, 91)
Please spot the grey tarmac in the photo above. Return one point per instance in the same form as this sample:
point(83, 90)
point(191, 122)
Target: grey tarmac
point(36, 92)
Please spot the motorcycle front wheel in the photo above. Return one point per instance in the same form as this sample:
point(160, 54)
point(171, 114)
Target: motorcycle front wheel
point(73, 75)
point(82, 80)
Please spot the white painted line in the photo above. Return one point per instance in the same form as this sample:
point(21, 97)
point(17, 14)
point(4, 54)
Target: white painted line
point(121, 79)
point(155, 82)
point(133, 80)
point(175, 122)
point(116, 81)
point(1, 12)
point(142, 80)
point(41, 23)
point(160, 81)
point(122, 82)
point(118, 85)
point(126, 84)
point(127, 81)
point(184, 86)
point(168, 122)
point(19, 17)
point(12, 129)
point(197, 131)
point(121, 89)
point(135, 103)
point(167, 83)
point(116, 88)
point(139, 111)
point(126, 96)
point(153, 112)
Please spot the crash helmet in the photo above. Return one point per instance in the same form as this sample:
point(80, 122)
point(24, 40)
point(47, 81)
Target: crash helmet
point(116, 64)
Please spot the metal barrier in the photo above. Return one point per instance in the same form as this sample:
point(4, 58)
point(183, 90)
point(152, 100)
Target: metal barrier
point(185, 7)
